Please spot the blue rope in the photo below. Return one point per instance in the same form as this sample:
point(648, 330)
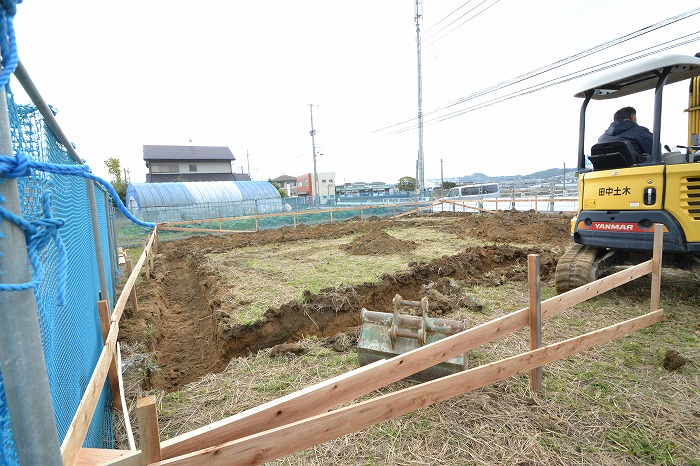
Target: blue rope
point(39, 233)
point(8, 44)
point(21, 165)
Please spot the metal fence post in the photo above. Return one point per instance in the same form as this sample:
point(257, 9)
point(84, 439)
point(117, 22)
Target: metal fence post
point(28, 85)
point(21, 352)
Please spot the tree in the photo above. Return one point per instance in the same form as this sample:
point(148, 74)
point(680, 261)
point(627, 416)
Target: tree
point(282, 192)
point(407, 183)
point(448, 185)
point(114, 168)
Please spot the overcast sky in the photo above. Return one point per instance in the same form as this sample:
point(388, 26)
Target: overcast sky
point(243, 73)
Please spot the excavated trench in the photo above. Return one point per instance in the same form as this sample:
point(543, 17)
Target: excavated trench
point(183, 321)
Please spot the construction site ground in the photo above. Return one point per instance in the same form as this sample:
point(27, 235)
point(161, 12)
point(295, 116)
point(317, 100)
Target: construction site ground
point(228, 322)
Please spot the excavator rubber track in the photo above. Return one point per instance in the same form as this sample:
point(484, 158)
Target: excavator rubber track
point(576, 267)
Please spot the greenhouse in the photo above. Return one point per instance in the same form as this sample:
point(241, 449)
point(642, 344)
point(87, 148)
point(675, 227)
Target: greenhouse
point(172, 202)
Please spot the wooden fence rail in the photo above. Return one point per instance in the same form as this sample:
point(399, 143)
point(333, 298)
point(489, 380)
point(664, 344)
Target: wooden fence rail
point(239, 438)
point(77, 431)
point(418, 207)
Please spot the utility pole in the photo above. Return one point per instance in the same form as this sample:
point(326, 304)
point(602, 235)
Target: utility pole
point(421, 178)
point(442, 179)
point(314, 182)
point(564, 193)
point(248, 157)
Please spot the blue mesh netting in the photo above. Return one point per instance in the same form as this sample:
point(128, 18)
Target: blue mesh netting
point(70, 331)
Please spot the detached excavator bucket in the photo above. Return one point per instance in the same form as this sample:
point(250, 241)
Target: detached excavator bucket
point(384, 335)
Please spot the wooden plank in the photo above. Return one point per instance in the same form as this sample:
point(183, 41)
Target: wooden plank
point(93, 456)
point(75, 435)
point(656, 267)
point(132, 292)
point(169, 225)
point(287, 439)
point(148, 429)
point(535, 315)
point(70, 448)
point(463, 204)
point(147, 262)
point(127, 421)
point(204, 230)
point(129, 285)
point(113, 373)
point(121, 256)
point(416, 210)
point(583, 293)
point(329, 394)
point(156, 240)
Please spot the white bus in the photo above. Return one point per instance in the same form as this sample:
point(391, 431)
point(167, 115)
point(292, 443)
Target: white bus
point(474, 191)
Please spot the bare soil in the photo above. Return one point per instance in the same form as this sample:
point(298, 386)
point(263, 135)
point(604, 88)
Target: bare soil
point(182, 317)
point(631, 401)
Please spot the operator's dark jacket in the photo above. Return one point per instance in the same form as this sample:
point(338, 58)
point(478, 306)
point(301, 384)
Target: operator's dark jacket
point(640, 137)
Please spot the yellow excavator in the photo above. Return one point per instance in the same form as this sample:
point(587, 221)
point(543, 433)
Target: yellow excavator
point(622, 193)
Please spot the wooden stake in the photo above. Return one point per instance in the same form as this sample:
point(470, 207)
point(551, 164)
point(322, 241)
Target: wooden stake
point(535, 315)
point(156, 241)
point(105, 322)
point(148, 429)
point(132, 293)
point(284, 440)
point(655, 301)
point(333, 392)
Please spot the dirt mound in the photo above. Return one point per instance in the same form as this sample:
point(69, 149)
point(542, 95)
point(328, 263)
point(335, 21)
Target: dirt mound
point(513, 227)
point(378, 243)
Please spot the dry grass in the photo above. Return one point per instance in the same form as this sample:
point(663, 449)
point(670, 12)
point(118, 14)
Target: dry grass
point(614, 404)
point(260, 277)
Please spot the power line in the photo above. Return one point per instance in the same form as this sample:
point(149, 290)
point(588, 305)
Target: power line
point(557, 64)
point(453, 12)
point(459, 25)
point(562, 79)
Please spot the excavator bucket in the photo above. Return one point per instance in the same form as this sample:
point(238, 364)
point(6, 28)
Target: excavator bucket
point(384, 335)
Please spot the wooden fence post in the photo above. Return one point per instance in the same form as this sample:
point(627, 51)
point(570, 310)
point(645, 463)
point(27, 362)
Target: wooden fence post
point(132, 294)
point(156, 241)
point(535, 315)
point(655, 301)
point(148, 429)
point(146, 263)
point(105, 322)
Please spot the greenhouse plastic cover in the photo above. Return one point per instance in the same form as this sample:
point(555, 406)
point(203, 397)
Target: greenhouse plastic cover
point(178, 194)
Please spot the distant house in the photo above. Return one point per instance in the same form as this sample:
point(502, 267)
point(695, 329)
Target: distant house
point(190, 163)
point(304, 185)
point(287, 183)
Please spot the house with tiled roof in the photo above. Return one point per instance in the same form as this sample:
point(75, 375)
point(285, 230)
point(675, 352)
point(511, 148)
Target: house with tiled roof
point(190, 163)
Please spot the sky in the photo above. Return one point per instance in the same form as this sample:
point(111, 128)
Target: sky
point(248, 74)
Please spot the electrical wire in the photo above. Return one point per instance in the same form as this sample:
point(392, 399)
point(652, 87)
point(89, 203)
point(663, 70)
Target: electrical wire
point(552, 66)
point(453, 12)
point(561, 79)
point(434, 35)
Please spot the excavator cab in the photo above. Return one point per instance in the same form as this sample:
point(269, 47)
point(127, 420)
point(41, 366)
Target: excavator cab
point(625, 193)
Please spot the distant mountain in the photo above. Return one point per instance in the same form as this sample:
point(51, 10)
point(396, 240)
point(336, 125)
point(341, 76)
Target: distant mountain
point(482, 178)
